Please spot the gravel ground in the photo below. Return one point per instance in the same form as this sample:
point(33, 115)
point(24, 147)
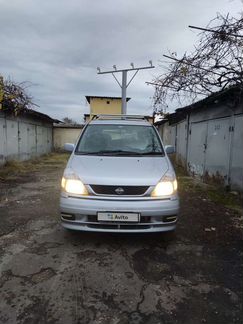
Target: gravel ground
point(50, 275)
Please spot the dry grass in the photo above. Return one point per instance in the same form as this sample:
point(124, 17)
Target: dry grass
point(15, 169)
point(213, 192)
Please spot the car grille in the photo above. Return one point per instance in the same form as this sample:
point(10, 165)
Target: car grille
point(119, 190)
point(120, 226)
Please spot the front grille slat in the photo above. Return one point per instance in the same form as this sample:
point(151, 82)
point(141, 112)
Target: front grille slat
point(112, 190)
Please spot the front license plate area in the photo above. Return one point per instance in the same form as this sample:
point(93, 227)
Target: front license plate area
point(118, 217)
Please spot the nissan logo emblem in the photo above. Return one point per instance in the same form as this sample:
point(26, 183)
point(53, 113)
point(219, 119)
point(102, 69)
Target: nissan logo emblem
point(119, 191)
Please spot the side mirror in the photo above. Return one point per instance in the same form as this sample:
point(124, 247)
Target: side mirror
point(169, 149)
point(69, 147)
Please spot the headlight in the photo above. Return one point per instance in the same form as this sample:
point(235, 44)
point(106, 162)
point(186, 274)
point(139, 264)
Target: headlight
point(73, 185)
point(165, 188)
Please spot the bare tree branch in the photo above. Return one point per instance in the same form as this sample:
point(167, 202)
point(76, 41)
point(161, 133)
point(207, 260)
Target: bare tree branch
point(215, 64)
point(14, 96)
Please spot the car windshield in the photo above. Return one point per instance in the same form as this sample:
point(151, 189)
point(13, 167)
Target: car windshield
point(109, 139)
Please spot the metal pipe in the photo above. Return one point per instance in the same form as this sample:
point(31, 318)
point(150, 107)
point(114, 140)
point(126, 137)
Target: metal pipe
point(124, 92)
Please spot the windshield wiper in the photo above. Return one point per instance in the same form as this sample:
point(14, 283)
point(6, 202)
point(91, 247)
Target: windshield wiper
point(116, 152)
point(120, 152)
point(85, 153)
point(103, 152)
point(152, 153)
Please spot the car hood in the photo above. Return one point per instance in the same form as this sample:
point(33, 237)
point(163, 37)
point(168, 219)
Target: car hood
point(110, 170)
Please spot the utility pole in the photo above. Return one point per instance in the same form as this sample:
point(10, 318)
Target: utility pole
point(124, 83)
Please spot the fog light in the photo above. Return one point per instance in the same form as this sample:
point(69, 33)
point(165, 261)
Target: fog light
point(168, 219)
point(68, 216)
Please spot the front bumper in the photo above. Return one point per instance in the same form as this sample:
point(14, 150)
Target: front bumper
point(81, 214)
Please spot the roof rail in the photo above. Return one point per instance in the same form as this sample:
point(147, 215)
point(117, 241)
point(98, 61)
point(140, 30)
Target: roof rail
point(120, 116)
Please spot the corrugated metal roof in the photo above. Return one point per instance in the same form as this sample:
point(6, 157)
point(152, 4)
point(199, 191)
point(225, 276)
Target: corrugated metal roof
point(232, 91)
point(32, 114)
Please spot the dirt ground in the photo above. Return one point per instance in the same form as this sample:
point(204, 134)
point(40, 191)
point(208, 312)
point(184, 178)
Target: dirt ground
point(50, 275)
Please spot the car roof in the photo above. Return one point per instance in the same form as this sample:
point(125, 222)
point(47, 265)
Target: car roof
point(137, 122)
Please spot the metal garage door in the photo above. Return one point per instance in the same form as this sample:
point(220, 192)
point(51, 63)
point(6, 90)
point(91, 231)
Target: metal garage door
point(217, 148)
point(197, 147)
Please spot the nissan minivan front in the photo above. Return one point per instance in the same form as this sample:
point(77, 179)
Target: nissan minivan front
point(119, 179)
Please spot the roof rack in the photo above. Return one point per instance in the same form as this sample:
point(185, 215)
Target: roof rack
point(120, 116)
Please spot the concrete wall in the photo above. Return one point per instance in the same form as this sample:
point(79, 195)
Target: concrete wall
point(22, 138)
point(105, 106)
point(209, 143)
point(63, 135)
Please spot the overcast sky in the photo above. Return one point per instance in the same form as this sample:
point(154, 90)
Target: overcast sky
point(57, 45)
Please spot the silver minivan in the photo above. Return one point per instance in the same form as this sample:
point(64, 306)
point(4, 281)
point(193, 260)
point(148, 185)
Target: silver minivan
point(119, 179)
